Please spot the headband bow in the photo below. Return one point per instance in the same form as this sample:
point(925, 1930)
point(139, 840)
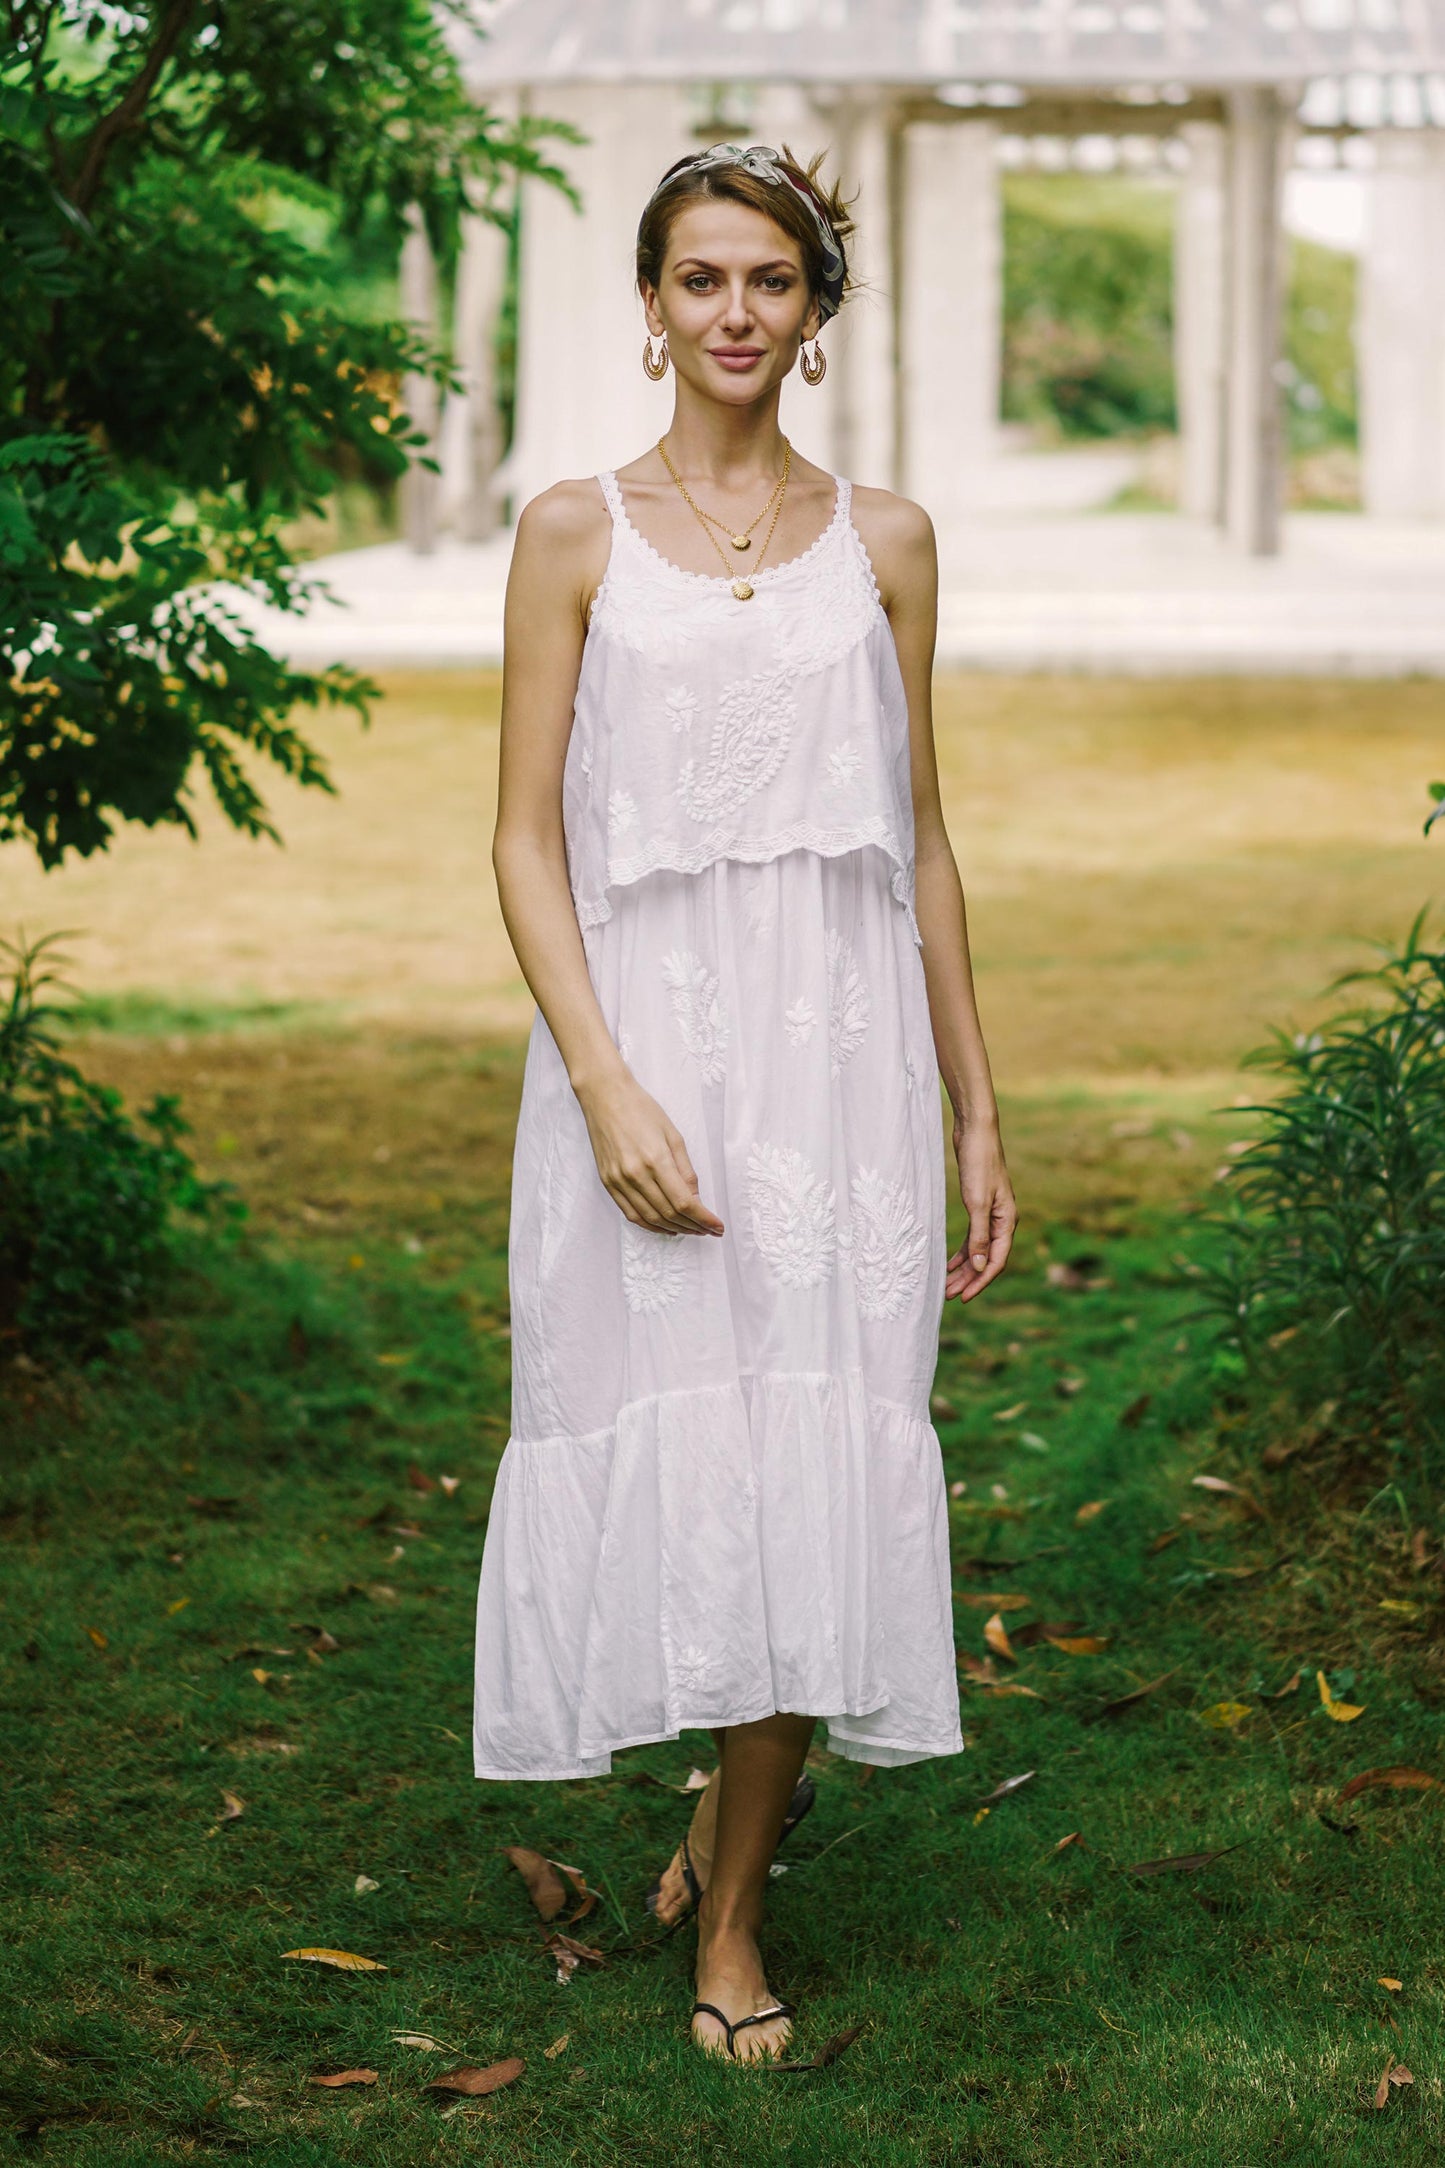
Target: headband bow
point(764, 162)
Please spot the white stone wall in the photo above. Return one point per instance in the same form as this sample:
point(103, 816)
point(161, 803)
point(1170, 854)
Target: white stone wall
point(1401, 329)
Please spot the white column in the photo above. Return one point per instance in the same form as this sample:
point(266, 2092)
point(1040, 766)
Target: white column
point(1400, 330)
point(951, 318)
point(1200, 321)
point(860, 344)
point(1254, 486)
point(418, 280)
point(583, 402)
point(471, 425)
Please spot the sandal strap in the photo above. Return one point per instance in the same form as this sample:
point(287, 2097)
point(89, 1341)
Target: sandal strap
point(779, 2009)
point(726, 2023)
point(689, 1874)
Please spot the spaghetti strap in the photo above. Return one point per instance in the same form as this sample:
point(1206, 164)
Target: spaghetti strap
point(607, 482)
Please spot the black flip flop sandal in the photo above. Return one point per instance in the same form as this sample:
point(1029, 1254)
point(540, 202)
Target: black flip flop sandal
point(805, 1793)
point(732, 2027)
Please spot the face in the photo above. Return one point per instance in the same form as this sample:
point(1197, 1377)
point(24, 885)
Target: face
point(732, 300)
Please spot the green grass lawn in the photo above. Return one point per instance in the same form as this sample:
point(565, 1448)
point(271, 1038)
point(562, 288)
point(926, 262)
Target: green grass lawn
point(178, 1533)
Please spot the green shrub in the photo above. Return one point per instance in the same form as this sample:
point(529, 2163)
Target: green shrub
point(88, 1195)
point(1331, 1273)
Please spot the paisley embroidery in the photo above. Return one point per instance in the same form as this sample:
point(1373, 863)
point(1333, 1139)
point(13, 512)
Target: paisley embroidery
point(800, 1019)
point(701, 1014)
point(888, 1246)
point(844, 762)
point(652, 1267)
point(749, 740)
point(848, 1002)
point(791, 1208)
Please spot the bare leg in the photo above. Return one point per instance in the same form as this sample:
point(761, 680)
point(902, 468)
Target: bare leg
point(672, 1897)
point(761, 1764)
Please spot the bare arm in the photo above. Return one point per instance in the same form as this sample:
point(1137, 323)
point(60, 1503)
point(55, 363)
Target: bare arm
point(557, 562)
point(901, 544)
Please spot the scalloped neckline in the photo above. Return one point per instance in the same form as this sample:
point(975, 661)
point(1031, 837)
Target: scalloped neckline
point(725, 579)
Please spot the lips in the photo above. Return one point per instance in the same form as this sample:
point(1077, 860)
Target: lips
point(736, 357)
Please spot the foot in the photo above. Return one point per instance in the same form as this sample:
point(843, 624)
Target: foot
point(673, 1897)
point(730, 1973)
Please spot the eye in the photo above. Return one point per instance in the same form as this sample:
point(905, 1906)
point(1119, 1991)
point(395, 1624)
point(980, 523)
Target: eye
point(697, 281)
point(779, 281)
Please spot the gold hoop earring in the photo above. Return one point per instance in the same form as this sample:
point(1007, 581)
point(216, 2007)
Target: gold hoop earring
point(815, 370)
point(654, 364)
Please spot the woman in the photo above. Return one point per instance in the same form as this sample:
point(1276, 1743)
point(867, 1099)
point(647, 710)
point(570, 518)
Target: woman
point(720, 851)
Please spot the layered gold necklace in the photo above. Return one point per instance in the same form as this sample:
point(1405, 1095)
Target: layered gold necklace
point(740, 538)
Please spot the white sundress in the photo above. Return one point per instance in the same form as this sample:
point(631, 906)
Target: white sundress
point(722, 1494)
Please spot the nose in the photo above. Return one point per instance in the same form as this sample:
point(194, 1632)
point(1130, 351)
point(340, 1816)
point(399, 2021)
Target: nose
point(737, 315)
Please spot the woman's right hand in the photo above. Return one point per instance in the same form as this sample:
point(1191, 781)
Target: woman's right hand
point(642, 1159)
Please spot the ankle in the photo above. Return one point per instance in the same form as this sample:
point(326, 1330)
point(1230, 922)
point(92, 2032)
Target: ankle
point(722, 1920)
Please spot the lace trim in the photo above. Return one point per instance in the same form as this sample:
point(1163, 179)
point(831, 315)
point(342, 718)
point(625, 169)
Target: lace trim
point(828, 843)
point(611, 490)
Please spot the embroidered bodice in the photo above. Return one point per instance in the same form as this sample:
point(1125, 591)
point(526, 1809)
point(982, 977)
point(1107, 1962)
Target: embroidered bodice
point(708, 728)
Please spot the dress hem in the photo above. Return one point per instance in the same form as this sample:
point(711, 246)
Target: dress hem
point(889, 1753)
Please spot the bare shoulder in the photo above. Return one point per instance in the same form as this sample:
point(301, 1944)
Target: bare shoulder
point(898, 536)
point(570, 514)
point(560, 551)
point(896, 522)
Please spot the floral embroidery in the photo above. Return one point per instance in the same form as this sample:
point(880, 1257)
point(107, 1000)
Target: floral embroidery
point(887, 1247)
point(680, 702)
point(691, 1669)
point(702, 1016)
point(844, 762)
point(749, 740)
point(652, 1267)
point(624, 1044)
point(792, 1214)
point(910, 1071)
point(621, 812)
point(848, 1002)
point(800, 1019)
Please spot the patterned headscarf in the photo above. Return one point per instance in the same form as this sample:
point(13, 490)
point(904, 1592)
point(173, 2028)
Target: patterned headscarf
point(765, 163)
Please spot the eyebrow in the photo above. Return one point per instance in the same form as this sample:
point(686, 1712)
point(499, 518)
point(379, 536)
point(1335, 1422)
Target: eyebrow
point(700, 263)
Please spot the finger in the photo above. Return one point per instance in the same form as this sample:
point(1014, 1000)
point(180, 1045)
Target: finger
point(687, 1174)
point(654, 1207)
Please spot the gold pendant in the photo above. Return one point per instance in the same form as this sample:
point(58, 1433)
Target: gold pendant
point(743, 590)
point(742, 542)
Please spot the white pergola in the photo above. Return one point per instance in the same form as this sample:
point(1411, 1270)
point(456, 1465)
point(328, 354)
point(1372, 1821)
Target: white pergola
point(911, 99)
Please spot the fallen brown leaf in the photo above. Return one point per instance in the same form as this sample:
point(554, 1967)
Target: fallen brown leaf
point(1079, 1644)
point(1396, 1987)
point(1009, 1784)
point(102, 1641)
point(1220, 1488)
point(1181, 1862)
point(1042, 1629)
point(570, 1953)
point(827, 2053)
point(343, 2077)
point(466, 2078)
point(342, 1960)
point(1291, 1686)
point(978, 1668)
point(1090, 1512)
point(1129, 1701)
point(545, 1885)
point(1013, 1600)
point(1001, 1690)
point(557, 2046)
point(1398, 1777)
point(1074, 1837)
point(1393, 2074)
point(995, 1633)
point(420, 1480)
point(450, 1484)
point(1162, 1543)
point(1134, 1414)
point(234, 1808)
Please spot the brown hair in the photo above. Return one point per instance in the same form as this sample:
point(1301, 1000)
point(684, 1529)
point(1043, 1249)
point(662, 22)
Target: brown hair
point(734, 184)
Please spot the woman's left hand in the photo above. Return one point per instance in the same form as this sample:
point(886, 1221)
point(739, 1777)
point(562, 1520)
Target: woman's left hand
point(992, 1213)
